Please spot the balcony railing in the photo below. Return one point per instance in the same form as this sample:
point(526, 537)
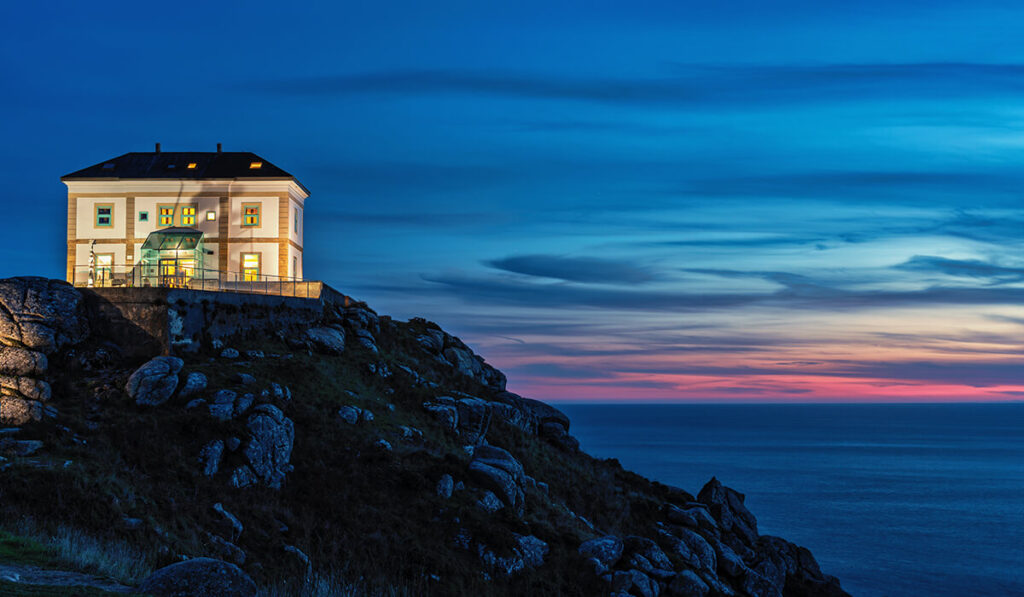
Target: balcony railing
point(179, 275)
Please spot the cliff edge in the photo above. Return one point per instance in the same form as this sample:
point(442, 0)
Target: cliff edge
point(353, 455)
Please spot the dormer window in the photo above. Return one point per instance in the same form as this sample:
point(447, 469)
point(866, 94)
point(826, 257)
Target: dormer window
point(191, 166)
point(108, 166)
point(255, 165)
point(171, 166)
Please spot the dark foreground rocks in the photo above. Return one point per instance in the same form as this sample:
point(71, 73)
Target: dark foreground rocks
point(200, 577)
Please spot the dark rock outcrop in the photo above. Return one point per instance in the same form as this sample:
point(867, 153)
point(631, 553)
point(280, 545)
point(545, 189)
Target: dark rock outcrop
point(497, 470)
point(269, 448)
point(329, 340)
point(199, 576)
point(154, 383)
point(727, 507)
point(38, 317)
point(607, 550)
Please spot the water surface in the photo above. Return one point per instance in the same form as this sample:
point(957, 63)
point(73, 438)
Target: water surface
point(895, 500)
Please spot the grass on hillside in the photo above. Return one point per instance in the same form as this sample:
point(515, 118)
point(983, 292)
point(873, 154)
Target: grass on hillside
point(369, 520)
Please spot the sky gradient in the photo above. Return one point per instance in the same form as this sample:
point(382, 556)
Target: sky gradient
point(739, 201)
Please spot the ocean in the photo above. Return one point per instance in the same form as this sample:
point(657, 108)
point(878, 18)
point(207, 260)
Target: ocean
point(895, 500)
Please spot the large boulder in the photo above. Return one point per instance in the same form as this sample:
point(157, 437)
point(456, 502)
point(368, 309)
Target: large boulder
point(15, 360)
point(269, 448)
point(532, 549)
point(222, 406)
point(703, 552)
point(40, 314)
point(22, 399)
point(359, 317)
point(474, 419)
point(37, 318)
point(199, 577)
point(649, 550)
point(464, 361)
point(793, 569)
point(688, 584)
point(545, 413)
point(497, 470)
point(210, 455)
point(446, 414)
point(726, 505)
point(327, 339)
point(154, 382)
point(607, 550)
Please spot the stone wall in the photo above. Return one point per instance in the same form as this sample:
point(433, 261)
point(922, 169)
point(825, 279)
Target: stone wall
point(152, 321)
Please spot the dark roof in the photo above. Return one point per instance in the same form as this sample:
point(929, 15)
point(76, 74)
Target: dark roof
point(174, 165)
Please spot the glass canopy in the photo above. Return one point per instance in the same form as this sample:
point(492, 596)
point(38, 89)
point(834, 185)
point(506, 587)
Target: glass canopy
point(172, 257)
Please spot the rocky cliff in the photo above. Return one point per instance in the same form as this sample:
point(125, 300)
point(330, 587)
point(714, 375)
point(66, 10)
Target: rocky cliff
point(385, 456)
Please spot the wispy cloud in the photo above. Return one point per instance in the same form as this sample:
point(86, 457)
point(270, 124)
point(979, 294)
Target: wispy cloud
point(590, 270)
point(796, 293)
point(865, 185)
point(687, 85)
point(963, 268)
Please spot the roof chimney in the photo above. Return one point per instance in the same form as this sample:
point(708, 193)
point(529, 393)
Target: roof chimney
point(158, 148)
point(218, 148)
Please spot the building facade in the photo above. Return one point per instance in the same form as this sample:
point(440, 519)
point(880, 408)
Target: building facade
point(185, 215)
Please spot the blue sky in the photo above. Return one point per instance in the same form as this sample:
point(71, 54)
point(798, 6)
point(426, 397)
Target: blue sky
point(673, 201)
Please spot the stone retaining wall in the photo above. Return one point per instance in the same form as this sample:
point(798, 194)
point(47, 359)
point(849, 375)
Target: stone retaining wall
point(152, 321)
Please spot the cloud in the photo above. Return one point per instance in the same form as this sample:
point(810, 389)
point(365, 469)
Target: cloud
point(795, 294)
point(909, 186)
point(687, 85)
point(590, 270)
point(963, 268)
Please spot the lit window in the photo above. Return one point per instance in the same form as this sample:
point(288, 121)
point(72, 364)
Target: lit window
point(250, 267)
point(143, 216)
point(188, 215)
point(104, 267)
point(104, 215)
point(211, 216)
point(255, 165)
point(191, 166)
point(166, 215)
point(250, 214)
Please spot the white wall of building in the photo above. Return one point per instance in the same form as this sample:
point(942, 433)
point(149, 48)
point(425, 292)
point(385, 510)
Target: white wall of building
point(295, 224)
point(85, 220)
point(82, 253)
point(268, 257)
point(269, 218)
point(294, 262)
point(151, 205)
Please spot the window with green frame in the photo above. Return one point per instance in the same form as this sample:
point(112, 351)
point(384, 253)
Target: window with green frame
point(104, 215)
point(165, 216)
point(188, 215)
point(250, 214)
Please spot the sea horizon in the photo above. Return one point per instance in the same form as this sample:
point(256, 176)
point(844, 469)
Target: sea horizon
point(892, 501)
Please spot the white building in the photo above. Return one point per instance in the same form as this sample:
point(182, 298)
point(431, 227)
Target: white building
point(184, 216)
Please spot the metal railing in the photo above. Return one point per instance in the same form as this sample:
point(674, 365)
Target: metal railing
point(175, 274)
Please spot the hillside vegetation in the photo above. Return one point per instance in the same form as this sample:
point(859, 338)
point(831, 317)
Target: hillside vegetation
point(358, 456)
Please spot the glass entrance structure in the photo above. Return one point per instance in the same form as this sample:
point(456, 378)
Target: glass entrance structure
point(171, 257)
